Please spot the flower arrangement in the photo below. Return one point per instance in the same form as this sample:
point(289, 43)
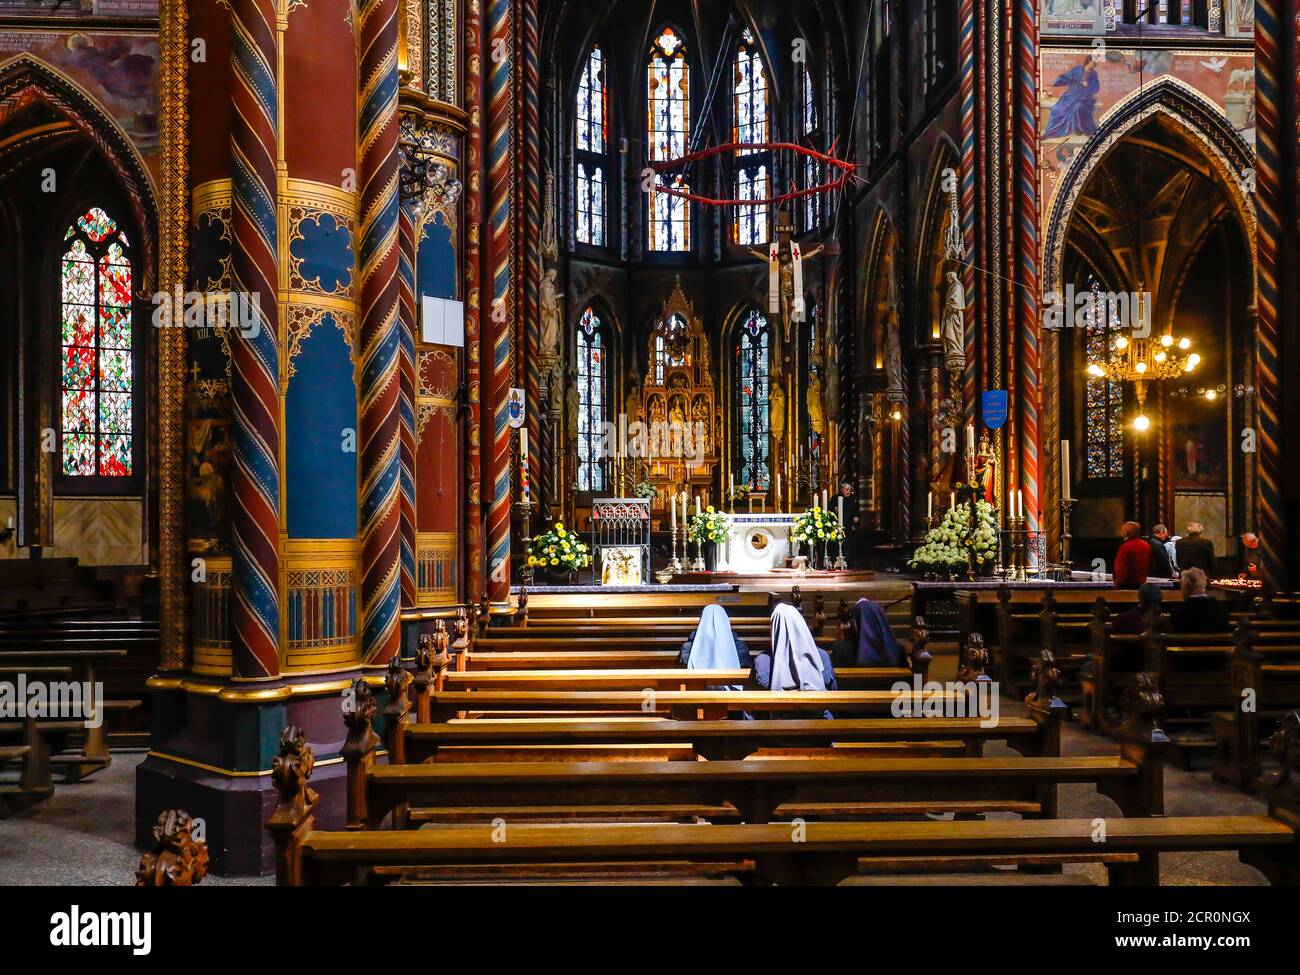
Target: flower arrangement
point(558, 550)
point(817, 525)
point(644, 489)
point(961, 542)
point(710, 525)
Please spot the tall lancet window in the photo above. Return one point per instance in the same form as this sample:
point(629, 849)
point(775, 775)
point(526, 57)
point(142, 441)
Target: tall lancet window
point(810, 128)
point(590, 359)
point(668, 120)
point(751, 421)
point(591, 147)
point(1103, 408)
point(750, 127)
point(98, 380)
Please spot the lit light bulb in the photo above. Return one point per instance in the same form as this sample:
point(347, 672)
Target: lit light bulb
point(1193, 360)
point(1097, 371)
point(1166, 340)
point(1121, 343)
point(1141, 368)
point(1211, 394)
point(896, 415)
point(1161, 356)
point(1141, 422)
point(1184, 343)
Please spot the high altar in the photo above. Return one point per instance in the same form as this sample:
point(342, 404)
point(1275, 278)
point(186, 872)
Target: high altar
point(759, 542)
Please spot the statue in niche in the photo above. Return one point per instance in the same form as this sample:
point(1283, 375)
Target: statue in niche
point(549, 302)
point(632, 404)
point(893, 356)
point(550, 239)
point(556, 391)
point(571, 402)
point(776, 410)
point(954, 325)
point(831, 367)
point(816, 408)
point(984, 470)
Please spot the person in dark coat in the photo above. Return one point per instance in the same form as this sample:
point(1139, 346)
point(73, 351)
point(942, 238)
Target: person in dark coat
point(852, 529)
point(1199, 612)
point(870, 641)
point(1134, 619)
point(1159, 567)
point(1195, 551)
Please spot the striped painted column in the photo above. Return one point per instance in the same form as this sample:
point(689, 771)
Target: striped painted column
point(1024, 295)
point(1269, 130)
point(254, 352)
point(406, 396)
point(969, 121)
point(530, 184)
point(473, 270)
point(500, 276)
point(377, 258)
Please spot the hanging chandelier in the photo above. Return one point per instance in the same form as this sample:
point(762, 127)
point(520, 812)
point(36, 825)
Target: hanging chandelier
point(1139, 359)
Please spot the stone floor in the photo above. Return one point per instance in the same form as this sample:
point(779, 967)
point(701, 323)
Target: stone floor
point(82, 835)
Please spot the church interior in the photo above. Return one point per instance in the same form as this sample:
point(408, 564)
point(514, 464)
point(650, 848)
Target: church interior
point(676, 442)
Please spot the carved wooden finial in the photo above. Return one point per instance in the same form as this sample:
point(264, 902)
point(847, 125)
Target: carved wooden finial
point(293, 767)
point(397, 681)
point(975, 660)
point(1046, 678)
point(463, 630)
point(177, 858)
point(1143, 707)
point(1284, 747)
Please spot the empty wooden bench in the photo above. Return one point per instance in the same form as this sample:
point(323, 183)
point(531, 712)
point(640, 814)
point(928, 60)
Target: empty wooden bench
point(1265, 675)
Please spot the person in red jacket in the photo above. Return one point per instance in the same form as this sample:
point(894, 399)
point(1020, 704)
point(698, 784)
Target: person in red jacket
point(1133, 560)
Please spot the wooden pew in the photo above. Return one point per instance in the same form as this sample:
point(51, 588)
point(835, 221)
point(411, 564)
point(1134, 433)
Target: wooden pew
point(677, 678)
point(786, 853)
point(1265, 676)
point(32, 742)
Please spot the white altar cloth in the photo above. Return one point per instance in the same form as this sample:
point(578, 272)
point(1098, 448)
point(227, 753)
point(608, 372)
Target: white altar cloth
point(758, 543)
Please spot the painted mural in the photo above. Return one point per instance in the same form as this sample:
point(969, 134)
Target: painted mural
point(1073, 16)
point(1080, 85)
point(119, 70)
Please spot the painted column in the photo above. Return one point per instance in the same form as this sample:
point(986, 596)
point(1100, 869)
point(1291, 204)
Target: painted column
point(255, 354)
point(377, 259)
point(472, 264)
point(500, 273)
point(530, 191)
point(410, 321)
point(1270, 63)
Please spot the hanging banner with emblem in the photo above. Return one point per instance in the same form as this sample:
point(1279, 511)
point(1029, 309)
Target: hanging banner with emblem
point(515, 412)
point(994, 408)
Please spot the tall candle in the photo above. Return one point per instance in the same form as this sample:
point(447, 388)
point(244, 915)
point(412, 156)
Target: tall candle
point(825, 501)
point(1065, 469)
point(970, 440)
point(697, 506)
point(839, 510)
point(672, 507)
point(777, 499)
point(1020, 503)
point(731, 485)
point(929, 505)
point(952, 500)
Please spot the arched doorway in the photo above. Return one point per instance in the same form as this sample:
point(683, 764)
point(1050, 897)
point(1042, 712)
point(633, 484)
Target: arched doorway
point(1152, 219)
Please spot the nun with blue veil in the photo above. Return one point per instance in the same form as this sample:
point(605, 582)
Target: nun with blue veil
point(870, 640)
point(713, 645)
point(795, 662)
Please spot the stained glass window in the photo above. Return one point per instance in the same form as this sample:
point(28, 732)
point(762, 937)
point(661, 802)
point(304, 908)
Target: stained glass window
point(591, 143)
point(811, 170)
point(591, 401)
point(749, 125)
point(668, 120)
point(751, 421)
point(98, 379)
point(1103, 410)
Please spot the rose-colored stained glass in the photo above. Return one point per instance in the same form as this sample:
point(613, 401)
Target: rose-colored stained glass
point(98, 376)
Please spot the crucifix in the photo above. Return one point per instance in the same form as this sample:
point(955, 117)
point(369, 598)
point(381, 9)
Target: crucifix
point(785, 257)
point(194, 372)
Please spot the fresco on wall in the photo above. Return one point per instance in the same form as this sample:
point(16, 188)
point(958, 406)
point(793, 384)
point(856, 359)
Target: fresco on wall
point(119, 70)
point(1239, 18)
point(1073, 17)
point(1080, 85)
point(76, 9)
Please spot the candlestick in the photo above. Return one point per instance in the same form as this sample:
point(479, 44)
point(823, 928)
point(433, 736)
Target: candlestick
point(1065, 469)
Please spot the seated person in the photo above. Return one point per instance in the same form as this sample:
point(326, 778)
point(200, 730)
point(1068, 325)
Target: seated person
point(1133, 560)
point(1199, 612)
point(870, 641)
point(1134, 620)
point(795, 662)
point(713, 645)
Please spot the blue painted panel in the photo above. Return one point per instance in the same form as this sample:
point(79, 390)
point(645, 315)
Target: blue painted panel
point(436, 260)
point(321, 477)
point(322, 255)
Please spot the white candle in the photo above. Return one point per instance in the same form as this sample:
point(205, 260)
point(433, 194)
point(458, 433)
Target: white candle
point(777, 499)
point(929, 505)
point(672, 507)
point(1011, 503)
point(685, 497)
point(1020, 503)
point(697, 506)
point(1065, 469)
point(839, 510)
point(731, 485)
point(952, 500)
point(826, 506)
point(970, 440)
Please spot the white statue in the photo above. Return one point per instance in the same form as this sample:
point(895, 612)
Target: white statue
point(549, 302)
point(954, 324)
point(893, 356)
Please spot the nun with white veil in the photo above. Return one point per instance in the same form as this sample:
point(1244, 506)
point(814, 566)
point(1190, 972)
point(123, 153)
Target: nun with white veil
point(714, 646)
point(795, 662)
